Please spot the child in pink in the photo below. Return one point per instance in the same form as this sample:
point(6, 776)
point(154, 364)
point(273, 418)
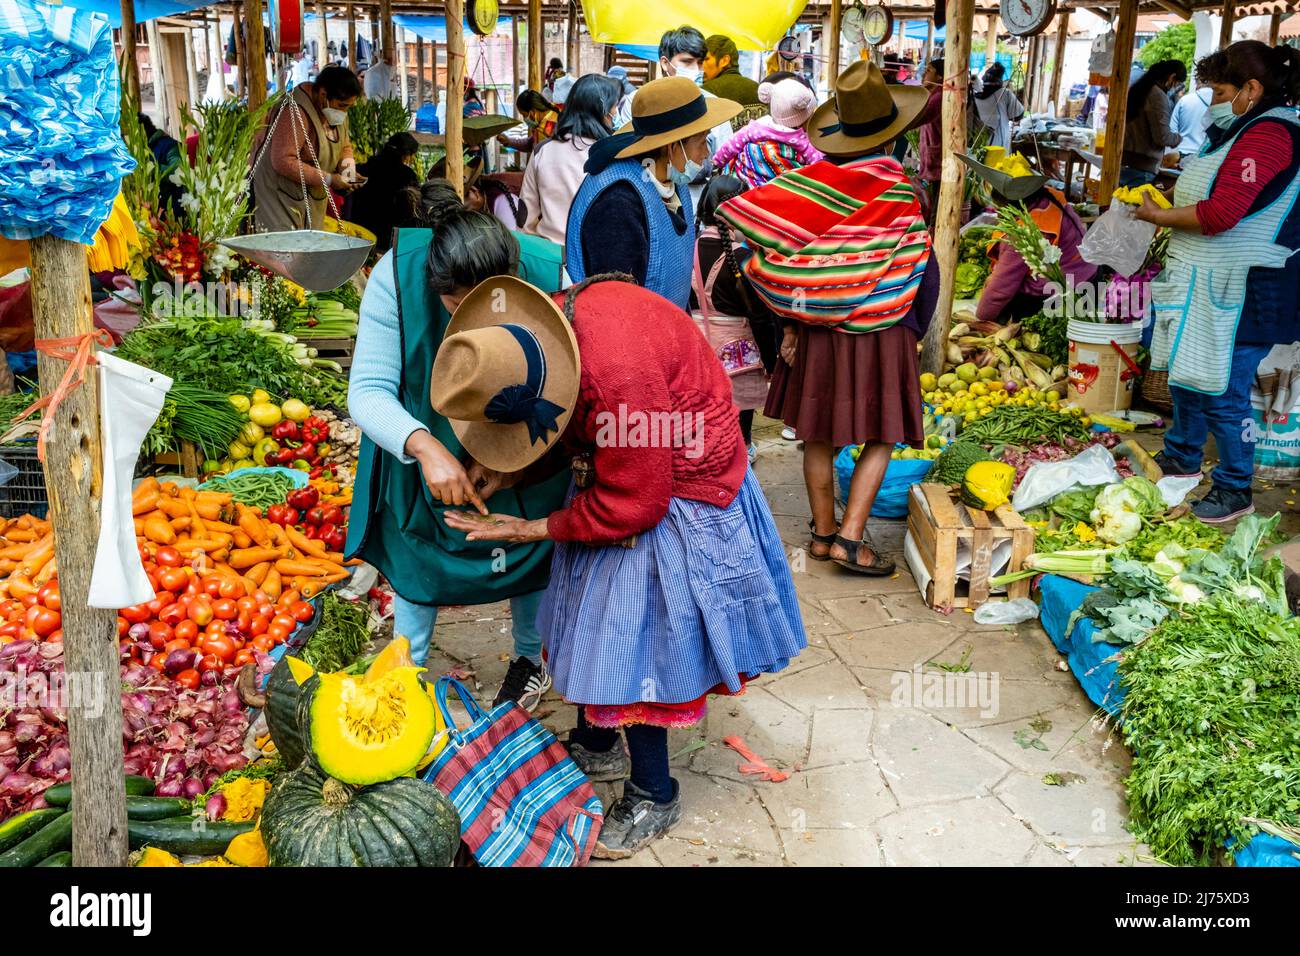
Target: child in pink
point(771, 145)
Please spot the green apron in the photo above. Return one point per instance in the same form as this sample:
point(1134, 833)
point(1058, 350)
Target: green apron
point(395, 524)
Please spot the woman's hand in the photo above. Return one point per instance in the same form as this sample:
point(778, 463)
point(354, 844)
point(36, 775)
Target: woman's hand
point(487, 480)
point(493, 527)
point(789, 344)
point(444, 475)
point(1148, 211)
point(339, 184)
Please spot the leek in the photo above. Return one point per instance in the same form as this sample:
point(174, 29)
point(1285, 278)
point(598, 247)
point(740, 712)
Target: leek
point(1086, 561)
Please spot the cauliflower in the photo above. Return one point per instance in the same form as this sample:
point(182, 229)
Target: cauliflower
point(1117, 512)
point(1183, 591)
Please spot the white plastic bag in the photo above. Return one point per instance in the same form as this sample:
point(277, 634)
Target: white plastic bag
point(1006, 612)
point(1174, 490)
point(1044, 481)
point(1102, 54)
point(1118, 239)
point(130, 397)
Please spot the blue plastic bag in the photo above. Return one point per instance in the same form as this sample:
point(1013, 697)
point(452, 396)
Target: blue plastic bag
point(900, 476)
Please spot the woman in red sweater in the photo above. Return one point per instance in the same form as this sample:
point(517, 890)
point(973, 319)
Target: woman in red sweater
point(669, 580)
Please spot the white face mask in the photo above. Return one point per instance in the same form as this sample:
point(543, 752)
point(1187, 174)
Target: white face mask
point(691, 73)
point(334, 117)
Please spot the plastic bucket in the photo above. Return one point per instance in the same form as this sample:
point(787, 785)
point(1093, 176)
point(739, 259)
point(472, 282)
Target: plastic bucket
point(1101, 380)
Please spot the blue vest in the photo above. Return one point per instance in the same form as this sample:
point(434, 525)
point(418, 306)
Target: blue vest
point(668, 266)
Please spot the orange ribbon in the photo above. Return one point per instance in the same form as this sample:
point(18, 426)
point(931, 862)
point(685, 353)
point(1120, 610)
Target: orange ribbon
point(78, 351)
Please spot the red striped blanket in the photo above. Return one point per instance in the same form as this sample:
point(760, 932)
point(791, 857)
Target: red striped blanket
point(835, 245)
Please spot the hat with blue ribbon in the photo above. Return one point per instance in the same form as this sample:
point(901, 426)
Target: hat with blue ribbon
point(506, 376)
point(865, 112)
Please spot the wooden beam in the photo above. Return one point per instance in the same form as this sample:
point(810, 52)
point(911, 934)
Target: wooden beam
point(60, 288)
point(256, 54)
point(456, 94)
point(1058, 62)
point(1182, 10)
point(947, 217)
point(1228, 14)
point(130, 65)
point(191, 69)
point(1274, 24)
point(322, 36)
point(419, 70)
point(514, 58)
point(241, 58)
point(403, 60)
point(833, 44)
point(352, 38)
point(1032, 77)
point(1117, 101)
point(991, 43)
point(929, 39)
point(573, 48)
point(387, 38)
point(536, 47)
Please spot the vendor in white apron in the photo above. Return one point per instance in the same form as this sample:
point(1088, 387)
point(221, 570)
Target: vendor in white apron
point(1231, 287)
point(310, 153)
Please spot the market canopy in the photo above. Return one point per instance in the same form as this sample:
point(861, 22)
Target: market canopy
point(145, 10)
point(753, 24)
point(435, 28)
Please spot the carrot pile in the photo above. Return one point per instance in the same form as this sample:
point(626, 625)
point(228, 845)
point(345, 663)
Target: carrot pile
point(26, 555)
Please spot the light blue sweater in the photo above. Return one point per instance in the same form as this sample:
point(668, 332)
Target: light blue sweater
point(377, 367)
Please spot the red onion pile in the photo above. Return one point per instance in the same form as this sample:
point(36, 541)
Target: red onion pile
point(1021, 459)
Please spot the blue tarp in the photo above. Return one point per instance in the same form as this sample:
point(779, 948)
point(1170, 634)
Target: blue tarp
point(900, 475)
point(435, 28)
point(144, 9)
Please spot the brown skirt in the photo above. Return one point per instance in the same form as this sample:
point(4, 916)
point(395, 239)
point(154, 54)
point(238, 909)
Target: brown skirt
point(849, 389)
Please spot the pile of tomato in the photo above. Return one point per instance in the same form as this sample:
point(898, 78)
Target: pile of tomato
point(37, 617)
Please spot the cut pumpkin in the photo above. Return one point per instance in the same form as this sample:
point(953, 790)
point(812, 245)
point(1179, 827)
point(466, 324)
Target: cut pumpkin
point(247, 849)
point(300, 669)
point(396, 653)
point(152, 856)
point(363, 733)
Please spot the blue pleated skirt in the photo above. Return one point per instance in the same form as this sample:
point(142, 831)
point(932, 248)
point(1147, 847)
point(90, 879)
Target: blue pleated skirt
point(701, 600)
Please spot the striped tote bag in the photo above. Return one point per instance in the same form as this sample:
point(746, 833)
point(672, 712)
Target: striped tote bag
point(522, 800)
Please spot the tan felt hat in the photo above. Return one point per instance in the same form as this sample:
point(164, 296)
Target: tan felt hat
point(864, 112)
point(507, 373)
point(671, 109)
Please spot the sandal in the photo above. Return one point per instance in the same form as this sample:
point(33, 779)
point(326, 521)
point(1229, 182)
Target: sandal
point(819, 539)
point(878, 568)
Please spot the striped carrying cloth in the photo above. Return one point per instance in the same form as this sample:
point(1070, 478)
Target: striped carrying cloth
point(844, 246)
point(522, 800)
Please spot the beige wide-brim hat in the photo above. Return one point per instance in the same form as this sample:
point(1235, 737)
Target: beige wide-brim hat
point(864, 112)
point(1014, 188)
point(671, 109)
point(506, 376)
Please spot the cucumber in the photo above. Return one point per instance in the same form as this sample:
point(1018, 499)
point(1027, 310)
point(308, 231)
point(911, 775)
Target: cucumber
point(17, 829)
point(60, 795)
point(156, 808)
point(185, 834)
point(48, 840)
point(62, 858)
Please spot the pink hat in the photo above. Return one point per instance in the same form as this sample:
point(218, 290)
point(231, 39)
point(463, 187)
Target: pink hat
point(790, 102)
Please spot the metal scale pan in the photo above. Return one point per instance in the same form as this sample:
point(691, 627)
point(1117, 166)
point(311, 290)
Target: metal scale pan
point(318, 261)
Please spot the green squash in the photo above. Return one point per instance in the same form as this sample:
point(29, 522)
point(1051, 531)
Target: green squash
point(283, 690)
point(311, 819)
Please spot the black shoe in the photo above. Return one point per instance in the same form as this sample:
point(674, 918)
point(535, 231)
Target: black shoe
point(1223, 504)
point(525, 684)
point(634, 820)
point(1173, 469)
point(601, 766)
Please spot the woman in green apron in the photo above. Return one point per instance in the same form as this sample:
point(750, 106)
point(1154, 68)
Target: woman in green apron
point(309, 153)
point(1231, 287)
point(410, 467)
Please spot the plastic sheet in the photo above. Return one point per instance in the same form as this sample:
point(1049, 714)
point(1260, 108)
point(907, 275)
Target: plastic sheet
point(1118, 239)
point(64, 155)
point(1045, 480)
point(900, 475)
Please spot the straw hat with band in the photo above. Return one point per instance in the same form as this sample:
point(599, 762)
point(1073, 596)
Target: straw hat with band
point(865, 112)
point(1014, 188)
point(506, 378)
point(664, 111)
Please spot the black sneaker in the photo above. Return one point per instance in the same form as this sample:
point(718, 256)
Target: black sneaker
point(601, 766)
point(633, 821)
point(1173, 469)
point(1223, 504)
point(525, 684)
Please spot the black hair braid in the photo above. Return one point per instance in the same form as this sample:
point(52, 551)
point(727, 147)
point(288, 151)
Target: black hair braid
point(742, 284)
point(571, 293)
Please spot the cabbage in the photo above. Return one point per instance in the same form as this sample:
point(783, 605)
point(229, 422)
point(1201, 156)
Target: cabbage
point(1118, 511)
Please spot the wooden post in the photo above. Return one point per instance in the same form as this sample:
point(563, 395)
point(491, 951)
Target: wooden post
point(60, 287)
point(1030, 92)
point(991, 42)
point(322, 36)
point(352, 38)
point(241, 56)
point(1058, 60)
point(833, 44)
point(1274, 24)
point(514, 59)
point(1117, 108)
point(131, 67)
point(929, 40)
point(1229, 17)
point(386, 34)
point(404, 80)
point(536, 49)
point(573, 52)
point(191, 70)
point(947, 218)
point(455, 10)
point(373, 14)
point(419, 70)
point(256, 54)
point(160, 104)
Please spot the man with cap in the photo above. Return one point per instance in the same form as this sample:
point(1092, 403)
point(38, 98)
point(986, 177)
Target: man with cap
point(623, 112)
point(722, 76)
point(633, 213)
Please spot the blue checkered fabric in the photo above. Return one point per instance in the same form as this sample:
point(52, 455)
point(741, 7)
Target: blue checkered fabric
point(702, 598)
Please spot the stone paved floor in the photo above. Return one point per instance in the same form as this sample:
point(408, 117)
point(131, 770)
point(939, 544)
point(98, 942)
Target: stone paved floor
point(880, 774)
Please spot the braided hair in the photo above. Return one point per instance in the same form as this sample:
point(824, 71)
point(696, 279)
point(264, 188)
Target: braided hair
point(718, 191)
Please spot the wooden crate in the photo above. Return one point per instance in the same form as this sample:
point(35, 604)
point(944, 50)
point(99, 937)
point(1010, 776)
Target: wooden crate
point(188, 461)
point(336, 350)
point(937, 521)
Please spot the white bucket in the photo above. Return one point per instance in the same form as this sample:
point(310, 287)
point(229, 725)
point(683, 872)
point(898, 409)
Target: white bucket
point(1100, 380)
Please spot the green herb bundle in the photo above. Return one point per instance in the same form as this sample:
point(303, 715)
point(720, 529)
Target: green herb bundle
point(1047, 334)
point(1210, 713)
point(342, 633)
